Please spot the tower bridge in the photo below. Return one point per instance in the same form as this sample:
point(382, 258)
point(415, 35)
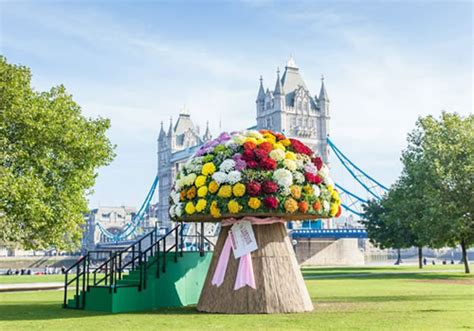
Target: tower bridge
point(290, 108)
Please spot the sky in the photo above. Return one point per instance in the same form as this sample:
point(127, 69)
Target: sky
point(141, 62)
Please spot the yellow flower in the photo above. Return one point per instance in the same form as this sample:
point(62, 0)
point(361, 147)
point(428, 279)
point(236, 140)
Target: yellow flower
point(259, 141)
point(191, 193)
point(254, 203)
point(208, 168)
point(291, 205)
point(290, 156)
point(295, 191)
point(251, 139)
point(202, 191)
point(238, 189)
point(335, 196)
point(285, 142)
point(330, 188)
point(190, 209)
point(308, 189)
point(225, 191)
point(215, 212)
point(213, 187)
point(269, 137)
point(234, 207)
point(200, 180)
point(279, 146)
point(201, 205)
point(334, 209)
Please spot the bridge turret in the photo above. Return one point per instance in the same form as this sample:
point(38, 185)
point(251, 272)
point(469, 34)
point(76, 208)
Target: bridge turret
point(323, 102)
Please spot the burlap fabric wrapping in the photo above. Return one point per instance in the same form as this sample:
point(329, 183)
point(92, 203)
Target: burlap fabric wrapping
point(278, 282)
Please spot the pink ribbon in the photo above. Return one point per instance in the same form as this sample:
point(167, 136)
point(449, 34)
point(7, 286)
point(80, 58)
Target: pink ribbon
point(245, 275)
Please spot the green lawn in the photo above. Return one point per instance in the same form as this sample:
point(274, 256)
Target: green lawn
point(394, 298)
point(31, 279)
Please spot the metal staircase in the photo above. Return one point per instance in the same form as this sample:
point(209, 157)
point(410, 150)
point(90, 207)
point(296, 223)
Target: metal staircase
point(129, 267)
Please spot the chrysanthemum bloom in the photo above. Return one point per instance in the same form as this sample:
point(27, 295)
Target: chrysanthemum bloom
point(303, 206)
point(201, 205)
point(254, 203)
point(295, 191)
point(190, 209)
point(213, 187)
point(200, 181)
point(238, 190)
point(234, 207)
point(191, 193)
point(291, 205)
point(208, 169)
point(202, 191)
point(214, 209)
point(270, 202)
point(225, 191)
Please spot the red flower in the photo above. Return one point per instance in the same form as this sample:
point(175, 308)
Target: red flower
point(318, 162)
point(260, 154)
point(312, 178)
point(270, 202)
point(266, 146)
point(248, 155)
point(253, 188)
point(250, 145)
point(268, 164)
point(269, 187)
point(339, 212)
point(301, 148)
point(252, 164)
point(279, 136)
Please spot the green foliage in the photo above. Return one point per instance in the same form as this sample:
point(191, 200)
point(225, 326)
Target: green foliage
point(432, 203)
point(49, 154)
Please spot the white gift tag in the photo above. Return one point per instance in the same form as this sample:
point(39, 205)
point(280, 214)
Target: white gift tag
point(243, 239)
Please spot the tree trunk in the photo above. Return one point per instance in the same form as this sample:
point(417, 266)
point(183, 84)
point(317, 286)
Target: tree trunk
point(464, 257)
point(420, 257)
point(280, 287)
point(399, 256)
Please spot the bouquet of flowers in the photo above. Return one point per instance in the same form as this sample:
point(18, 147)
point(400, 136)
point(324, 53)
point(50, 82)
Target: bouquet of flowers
point(254, 173)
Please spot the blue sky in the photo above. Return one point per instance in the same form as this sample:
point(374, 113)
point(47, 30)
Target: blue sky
point(140, 62)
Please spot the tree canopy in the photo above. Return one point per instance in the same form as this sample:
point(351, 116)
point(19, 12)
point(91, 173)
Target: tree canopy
point(432, 202)
point(49, 154)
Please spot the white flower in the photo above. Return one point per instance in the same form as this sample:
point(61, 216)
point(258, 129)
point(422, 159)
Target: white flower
point(299, 177)
point(290, 164)
point(174, 196)
point(316, 191)
point(239, 139)
point(329, 181)
point(299, 163)
point(325, 206)
point(179, 184)
point(220, 177)
point(172, 211)
point(324, 172)
point(189, 179)
point(255, 134)
point(234, 177)
point(311, 168)
point(178, 209)
point(283, 177)
point(227, 165)
point(285, 191)
point(277, 154)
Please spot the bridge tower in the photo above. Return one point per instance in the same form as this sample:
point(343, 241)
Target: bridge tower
point(290, 108)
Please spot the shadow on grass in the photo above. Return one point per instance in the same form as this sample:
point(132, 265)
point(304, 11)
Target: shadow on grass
point(392, 298)
point(361, 275)
point(31, 312)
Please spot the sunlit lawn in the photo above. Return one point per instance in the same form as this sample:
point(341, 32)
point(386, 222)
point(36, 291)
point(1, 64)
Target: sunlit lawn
point(356, 298)
point(14, 279)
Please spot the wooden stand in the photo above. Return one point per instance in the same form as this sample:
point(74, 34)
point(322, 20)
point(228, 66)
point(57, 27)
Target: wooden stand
point(280, 287)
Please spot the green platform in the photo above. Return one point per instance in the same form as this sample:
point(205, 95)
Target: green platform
point(179, 286)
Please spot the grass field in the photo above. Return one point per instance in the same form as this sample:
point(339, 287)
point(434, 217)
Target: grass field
point(438, 298)
point(31, 279)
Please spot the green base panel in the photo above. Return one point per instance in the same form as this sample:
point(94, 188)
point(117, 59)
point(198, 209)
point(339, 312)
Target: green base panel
point(179, 286)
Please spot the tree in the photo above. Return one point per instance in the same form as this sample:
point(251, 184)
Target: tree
point(49, 154)
point(440, 154)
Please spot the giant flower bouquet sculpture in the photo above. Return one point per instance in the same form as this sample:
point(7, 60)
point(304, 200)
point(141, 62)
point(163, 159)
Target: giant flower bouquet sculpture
point(252, 182)
point(254, 173)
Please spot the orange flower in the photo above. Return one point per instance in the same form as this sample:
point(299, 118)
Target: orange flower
point(317, 206)
point(303, 206)
point(191, 193)
point(291, 205)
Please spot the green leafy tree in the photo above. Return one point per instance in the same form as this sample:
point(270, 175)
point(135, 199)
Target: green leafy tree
point(49, 154)
point(440, 156)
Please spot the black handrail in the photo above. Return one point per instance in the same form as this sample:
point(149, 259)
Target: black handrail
point(131, 258)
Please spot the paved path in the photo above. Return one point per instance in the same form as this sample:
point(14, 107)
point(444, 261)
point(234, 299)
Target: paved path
point(375, 274)
point(31, 287)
